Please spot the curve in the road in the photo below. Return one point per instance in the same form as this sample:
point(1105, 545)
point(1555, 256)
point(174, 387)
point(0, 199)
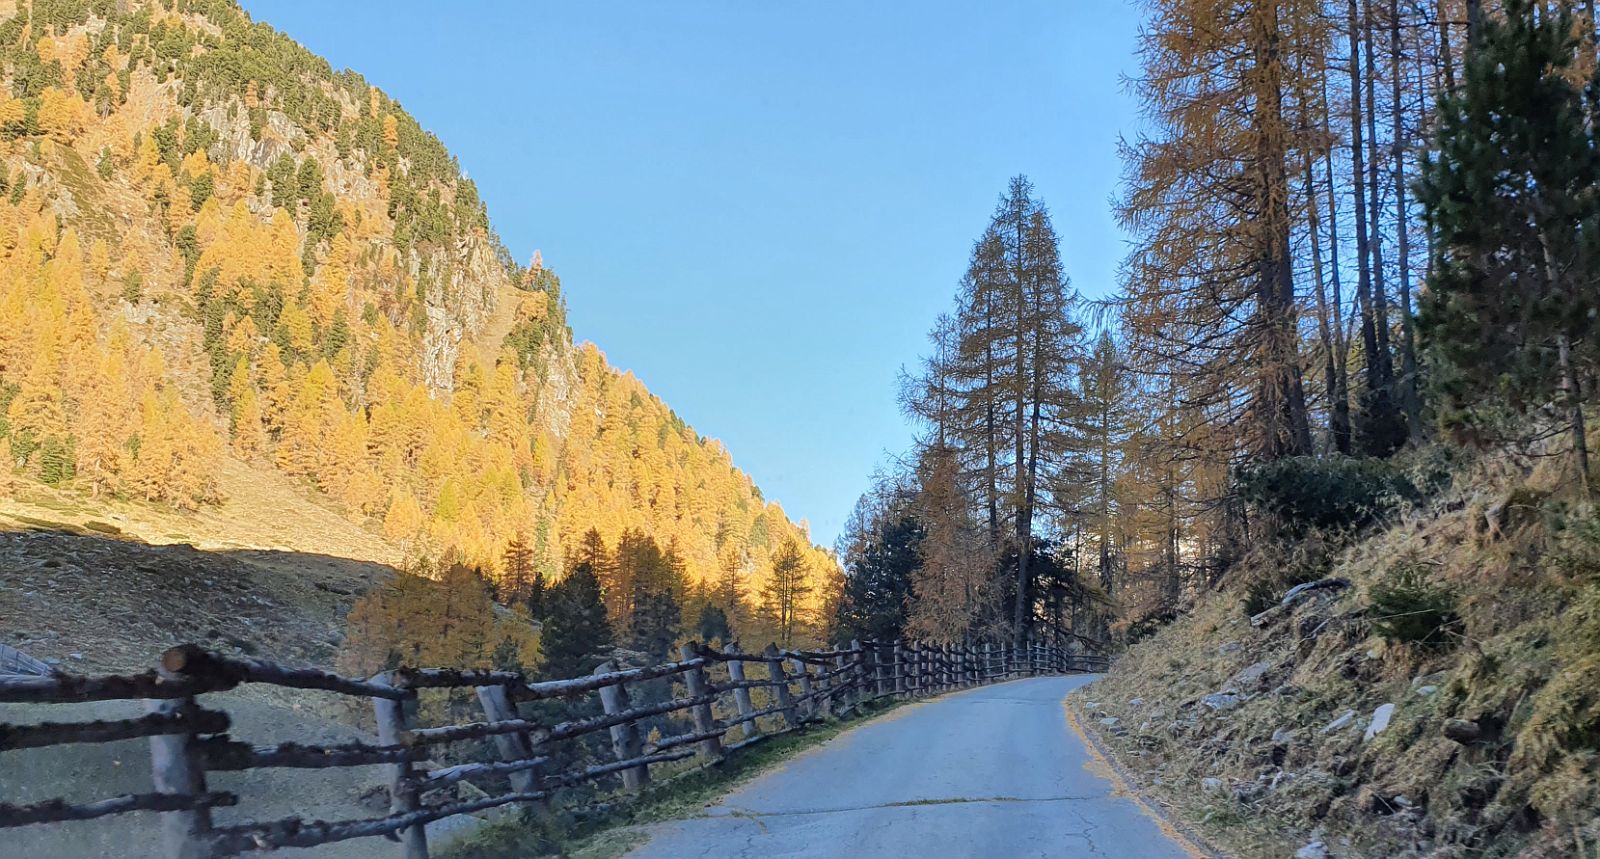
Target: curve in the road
point(993, 772)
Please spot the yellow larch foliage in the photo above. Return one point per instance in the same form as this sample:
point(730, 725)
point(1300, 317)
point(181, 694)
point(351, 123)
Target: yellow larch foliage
point(283, 260)
point(303, 445)
point(295, 322)
point(146, 159)
point(330, 285)
point(99, 259)
point(12, 111)
point(177, 456)
point(195, 165)
point(404, 519)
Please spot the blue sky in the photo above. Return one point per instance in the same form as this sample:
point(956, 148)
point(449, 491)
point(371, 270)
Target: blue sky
point(759, 208)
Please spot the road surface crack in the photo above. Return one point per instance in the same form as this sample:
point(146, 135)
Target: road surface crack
point(752, 814)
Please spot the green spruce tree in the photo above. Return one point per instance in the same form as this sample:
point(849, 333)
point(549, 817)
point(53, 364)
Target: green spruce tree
point(1511, 194)
point(576, 630)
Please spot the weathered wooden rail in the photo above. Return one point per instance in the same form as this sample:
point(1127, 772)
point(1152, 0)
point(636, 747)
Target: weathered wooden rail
point(187, 741)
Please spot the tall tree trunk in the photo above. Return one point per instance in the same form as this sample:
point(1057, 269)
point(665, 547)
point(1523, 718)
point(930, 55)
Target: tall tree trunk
point(1447, 61)
point(1341, 395)
point(1338, 418)
point(1380, 291)
point(1022, 615)
point(1377, 385)
point(1105, 499)
point(1288, 432)
point(992, 445)
point(1410, 396)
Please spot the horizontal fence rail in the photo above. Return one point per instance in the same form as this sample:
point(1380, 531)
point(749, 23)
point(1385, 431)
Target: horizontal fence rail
point(716, 689)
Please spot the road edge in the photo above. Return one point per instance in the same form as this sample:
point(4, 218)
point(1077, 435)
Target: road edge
point(1103, 763)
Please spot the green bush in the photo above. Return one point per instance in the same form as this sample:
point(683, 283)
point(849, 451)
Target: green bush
point(1334, 492)
point(1409, 608)
point(1259, 596)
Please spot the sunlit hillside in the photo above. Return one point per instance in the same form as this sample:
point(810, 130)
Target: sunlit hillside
point(217, 249)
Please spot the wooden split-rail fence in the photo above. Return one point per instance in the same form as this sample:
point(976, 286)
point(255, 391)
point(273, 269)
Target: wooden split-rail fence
point(187, 740)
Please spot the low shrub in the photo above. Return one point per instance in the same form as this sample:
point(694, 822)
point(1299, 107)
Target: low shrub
point(1410, 608)
point(1335, 492)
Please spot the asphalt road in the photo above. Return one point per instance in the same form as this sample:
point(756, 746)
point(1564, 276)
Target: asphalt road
point(991, 772)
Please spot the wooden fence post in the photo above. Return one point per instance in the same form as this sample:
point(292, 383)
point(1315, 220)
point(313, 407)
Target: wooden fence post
point(625, 742)
point(741, 696)
point(836, 685)
point(803, 674)
point(176, 768)
point(512, 747)
point(899, 670)
point(882, 670)
point(404, 794)
point(858, 675)
point(988, 661)
point(780, 686)
point(927, 679)
point(913, 669)
point(694, 680)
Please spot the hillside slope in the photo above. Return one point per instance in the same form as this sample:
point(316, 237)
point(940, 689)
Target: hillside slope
point(1388, 714)
point(219, 257)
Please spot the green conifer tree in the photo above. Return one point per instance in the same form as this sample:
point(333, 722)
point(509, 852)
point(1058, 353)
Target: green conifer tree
point(1512, 193)
point(576, 631)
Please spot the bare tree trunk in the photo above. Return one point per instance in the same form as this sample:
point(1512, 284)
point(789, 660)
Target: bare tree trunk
point(1410, 397)
point(1380, 291)
point(1447, 62)
point(1369, 337)
point(1288, 432)
point(1341, 394)
point(1369, 321)
point(1023, 527)
point(991, 448)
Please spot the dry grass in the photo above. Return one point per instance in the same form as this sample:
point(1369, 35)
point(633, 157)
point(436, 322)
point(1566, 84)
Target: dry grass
point(1524, 666)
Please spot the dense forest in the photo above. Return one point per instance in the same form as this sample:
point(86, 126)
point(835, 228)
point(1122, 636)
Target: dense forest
point(1353, 339)
point(214, 247)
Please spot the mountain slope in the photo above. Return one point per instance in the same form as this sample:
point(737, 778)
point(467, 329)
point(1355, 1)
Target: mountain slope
point(218, 253)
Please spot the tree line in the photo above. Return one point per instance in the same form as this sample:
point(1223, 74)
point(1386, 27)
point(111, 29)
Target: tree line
point(1358, 227)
